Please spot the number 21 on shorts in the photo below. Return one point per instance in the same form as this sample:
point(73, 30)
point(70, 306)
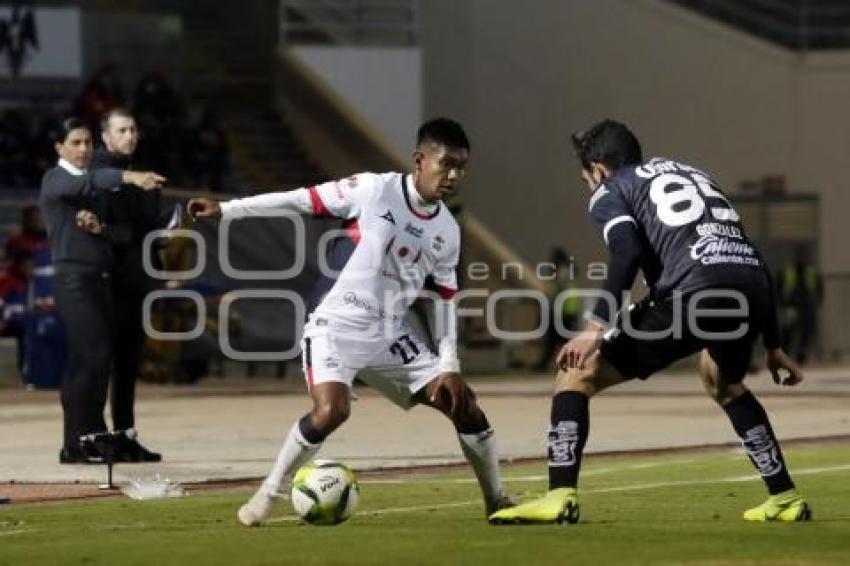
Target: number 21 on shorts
point(405, 348)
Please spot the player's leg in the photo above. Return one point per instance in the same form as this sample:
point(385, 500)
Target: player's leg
point(476, 436)
point(330, 389)
point(721, 369)
point(568, 433)
point(405, 371)
point(646, 348)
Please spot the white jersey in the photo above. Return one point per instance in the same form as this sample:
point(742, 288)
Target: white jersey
point(392, 243)
point(396, 247)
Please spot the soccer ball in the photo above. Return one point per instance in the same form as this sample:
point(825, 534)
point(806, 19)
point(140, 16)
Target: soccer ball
point(325, 492)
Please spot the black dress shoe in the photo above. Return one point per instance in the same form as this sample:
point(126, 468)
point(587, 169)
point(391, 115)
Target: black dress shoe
point(129, 450)
point(80, 454)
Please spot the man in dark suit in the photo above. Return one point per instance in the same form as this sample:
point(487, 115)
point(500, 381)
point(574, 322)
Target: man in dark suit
point(83, 261)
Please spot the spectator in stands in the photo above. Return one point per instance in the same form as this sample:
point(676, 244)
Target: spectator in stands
point(212, 154)
point(800, 295)
point(32, 235)
point(564, 314)
point(20, 249)
point(45, 339)
point(102, 93)
point(16, 169)
point(26, 146)
point(160, 113)
point(82, 257)
point(13, 295)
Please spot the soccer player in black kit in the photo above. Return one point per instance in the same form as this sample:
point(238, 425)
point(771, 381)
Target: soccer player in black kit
point(710, 292)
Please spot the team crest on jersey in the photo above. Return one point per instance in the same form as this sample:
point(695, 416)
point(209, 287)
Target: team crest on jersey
point(352, 182)
point(388, 217)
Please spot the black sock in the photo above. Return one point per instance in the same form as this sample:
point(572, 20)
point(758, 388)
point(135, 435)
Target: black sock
point(567, 437)
point(310, 433)
point(753, 427)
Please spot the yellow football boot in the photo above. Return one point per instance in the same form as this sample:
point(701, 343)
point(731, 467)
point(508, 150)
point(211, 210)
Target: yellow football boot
point(786, 506)
point(558, 506)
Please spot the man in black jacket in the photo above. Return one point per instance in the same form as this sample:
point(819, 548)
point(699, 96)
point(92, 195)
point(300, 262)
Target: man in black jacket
point(131, 214)
point(83, 262)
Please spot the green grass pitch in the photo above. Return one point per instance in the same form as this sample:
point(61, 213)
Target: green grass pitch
point(670, 509)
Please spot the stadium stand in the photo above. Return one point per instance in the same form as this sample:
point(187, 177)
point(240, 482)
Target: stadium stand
point(813, 24)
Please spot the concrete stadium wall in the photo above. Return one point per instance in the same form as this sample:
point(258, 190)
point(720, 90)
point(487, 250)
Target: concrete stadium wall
point(383, 85)
point(521, 78)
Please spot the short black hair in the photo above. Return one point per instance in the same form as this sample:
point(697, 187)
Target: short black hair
point(68, 125)
point(610, 143)
point(443, 131)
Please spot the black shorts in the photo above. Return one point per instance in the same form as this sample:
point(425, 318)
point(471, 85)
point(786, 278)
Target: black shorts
point(653, 334)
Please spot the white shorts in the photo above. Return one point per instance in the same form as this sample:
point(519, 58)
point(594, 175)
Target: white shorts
point(398, 368)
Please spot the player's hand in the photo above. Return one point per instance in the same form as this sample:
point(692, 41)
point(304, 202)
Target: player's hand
point(577, 351)
point(777, 361)
point(145, 180)
point(88, 221)
point(451, 392)
point(203, 208)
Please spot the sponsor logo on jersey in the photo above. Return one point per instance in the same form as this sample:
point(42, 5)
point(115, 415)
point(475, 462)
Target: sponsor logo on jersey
point(331, 363)
point(437, 243)
point(391, 276)
point(710, 249)
point(388, 217)
point(717, 229)
point(353, 300)
point(414, 231)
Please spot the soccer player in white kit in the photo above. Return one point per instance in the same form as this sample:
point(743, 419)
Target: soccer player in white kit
point(400, 237)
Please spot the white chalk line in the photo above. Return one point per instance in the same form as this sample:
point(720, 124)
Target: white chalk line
point(633, 487)
point(18, 532)
point(590, 472)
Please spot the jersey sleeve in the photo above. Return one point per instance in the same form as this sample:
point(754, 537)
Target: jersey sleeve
point(614, 220)
point(608, 210)
point(445, 272)
point(344, 198)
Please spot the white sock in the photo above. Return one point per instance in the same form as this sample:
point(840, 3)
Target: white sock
point(480, 452)
point(294, 453)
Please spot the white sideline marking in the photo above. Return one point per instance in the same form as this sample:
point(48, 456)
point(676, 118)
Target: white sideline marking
point(389, 510)
point(634, 487)
point(733, 479)
point(18, 532)
point(592, 472)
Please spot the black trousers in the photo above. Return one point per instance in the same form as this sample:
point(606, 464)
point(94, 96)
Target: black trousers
point(84, 301)
point(128, 342)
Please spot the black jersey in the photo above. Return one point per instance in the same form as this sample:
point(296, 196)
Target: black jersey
point(691, 236)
